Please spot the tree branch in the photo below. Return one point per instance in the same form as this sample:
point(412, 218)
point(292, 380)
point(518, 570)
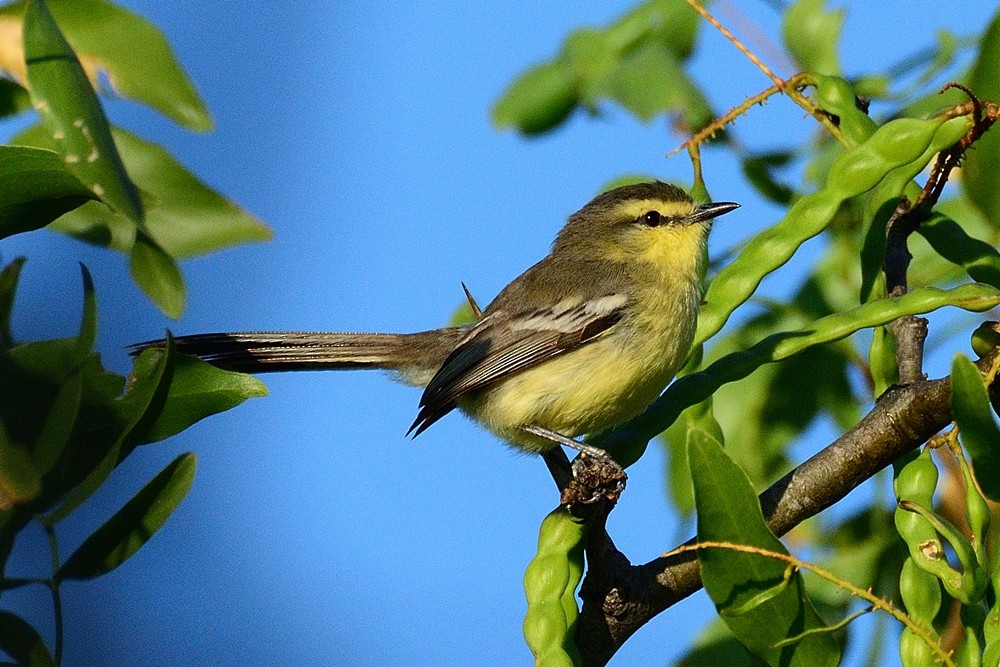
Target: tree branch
point(624, 597)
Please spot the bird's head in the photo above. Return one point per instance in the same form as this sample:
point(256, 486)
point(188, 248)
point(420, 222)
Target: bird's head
point(655, 222)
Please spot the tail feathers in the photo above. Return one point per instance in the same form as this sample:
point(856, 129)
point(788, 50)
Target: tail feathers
point(415, 356)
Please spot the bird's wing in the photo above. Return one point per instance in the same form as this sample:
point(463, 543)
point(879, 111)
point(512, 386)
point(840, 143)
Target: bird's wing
point(500, 345)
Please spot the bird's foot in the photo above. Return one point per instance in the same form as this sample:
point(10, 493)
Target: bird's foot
point(595, 478)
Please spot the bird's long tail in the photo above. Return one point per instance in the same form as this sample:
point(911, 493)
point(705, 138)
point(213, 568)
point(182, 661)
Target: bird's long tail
point(416, 357)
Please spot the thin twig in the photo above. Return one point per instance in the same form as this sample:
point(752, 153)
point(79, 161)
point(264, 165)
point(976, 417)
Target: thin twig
point(737, 43)
point(793, 91)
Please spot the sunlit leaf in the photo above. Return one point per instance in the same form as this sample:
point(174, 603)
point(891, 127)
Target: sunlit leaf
point(138, 60)
point(198, 390)
point(811, 34)
point(651, 81)
point(68, 105)
point(697, 423)
point(133, 525)
point(634, 61)
point(669, 22)
point(759, 599)
point(184, 215)
point(540, 99)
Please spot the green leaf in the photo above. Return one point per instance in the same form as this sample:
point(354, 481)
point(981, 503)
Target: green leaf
point(65, 435)
point(635, 61)
point(811, 34)
point(158, 275)
point(697, 423)
point(136, 56)
point(539, 100)
point(650, 81)
point(979, 167)
point(754, 593)
point(88, 321)
point(980, 260)
point(130, 416)
point(198, 390)
point(63, 96)
point(184, 215)
point(716, 646)
point(589, 54)
point(669, 22)
point(36, 187)
point(133, 525)
point(970, 408)
point(765, 413)
point(8, 288)
point(57, 428)
point(22, 642)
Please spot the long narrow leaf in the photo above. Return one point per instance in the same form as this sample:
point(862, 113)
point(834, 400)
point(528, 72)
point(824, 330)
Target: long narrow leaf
point(64, 97)
point(133, 525)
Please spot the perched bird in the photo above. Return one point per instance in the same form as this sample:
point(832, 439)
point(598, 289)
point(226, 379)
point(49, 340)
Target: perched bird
point(583, 340)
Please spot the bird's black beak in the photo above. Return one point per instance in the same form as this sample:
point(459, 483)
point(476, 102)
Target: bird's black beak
point(709, 211)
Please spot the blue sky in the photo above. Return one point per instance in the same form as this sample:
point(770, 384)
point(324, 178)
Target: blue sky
point(315, 531)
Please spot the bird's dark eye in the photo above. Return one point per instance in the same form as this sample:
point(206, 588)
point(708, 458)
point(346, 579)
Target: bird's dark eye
point(651, 218)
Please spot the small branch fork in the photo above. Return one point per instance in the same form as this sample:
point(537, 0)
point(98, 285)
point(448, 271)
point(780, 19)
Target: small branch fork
point(619, 598)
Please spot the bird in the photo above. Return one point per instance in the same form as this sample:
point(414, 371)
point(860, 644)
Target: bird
point(581, 341)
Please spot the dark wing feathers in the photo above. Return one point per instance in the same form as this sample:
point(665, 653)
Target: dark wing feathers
point(499, 346)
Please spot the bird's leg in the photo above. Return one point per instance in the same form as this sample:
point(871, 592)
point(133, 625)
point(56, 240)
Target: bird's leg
point(595, 474)
point(561, 439)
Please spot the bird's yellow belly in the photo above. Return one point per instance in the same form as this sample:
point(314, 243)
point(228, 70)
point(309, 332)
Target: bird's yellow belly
point(599, 385)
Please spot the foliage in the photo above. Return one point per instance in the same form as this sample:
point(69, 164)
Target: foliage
point(761, 383)
point(66, 423)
